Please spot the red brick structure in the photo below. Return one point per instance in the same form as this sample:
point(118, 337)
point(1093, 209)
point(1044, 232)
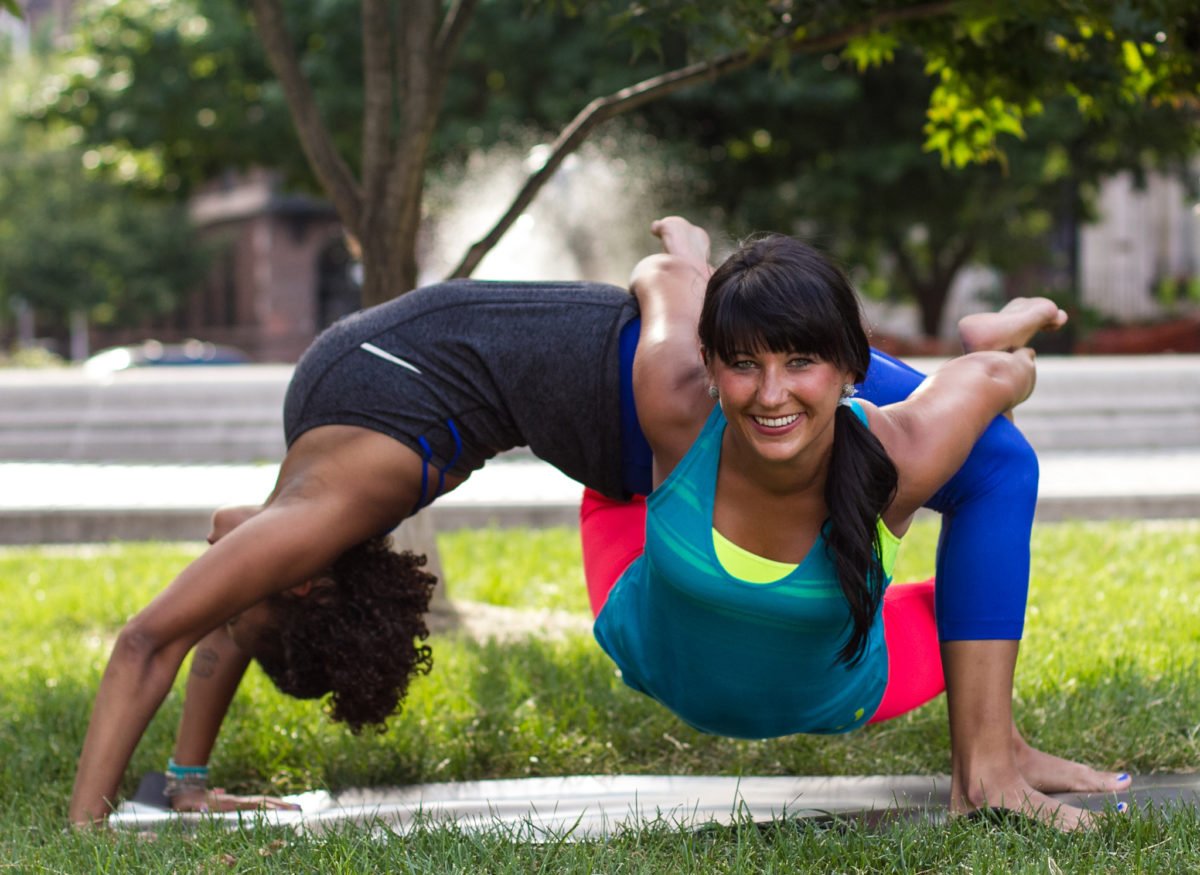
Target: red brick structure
point(281, 273)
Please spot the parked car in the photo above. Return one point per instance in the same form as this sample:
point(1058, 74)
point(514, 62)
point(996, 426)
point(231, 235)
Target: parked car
point(152, 353)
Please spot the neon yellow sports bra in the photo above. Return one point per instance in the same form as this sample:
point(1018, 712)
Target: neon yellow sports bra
point(751, 568)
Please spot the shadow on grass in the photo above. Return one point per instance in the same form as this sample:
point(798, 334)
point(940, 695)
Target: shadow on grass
point(543, 709)
point(557, 708)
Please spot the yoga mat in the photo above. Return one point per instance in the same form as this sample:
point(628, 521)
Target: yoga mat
point(596, 805)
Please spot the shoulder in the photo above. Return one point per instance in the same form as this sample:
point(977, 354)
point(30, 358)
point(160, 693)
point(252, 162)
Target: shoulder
point(889, 426)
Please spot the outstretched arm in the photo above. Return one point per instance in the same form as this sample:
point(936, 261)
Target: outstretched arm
point(669, 379)
point(288, 543)
point(217, 668)
point(338, 486)
point(218, 665)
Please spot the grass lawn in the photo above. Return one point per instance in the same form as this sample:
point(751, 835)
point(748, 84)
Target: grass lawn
point(1108, 674)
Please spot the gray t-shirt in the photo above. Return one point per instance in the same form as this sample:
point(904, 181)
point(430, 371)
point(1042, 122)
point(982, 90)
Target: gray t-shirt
point(462, 370)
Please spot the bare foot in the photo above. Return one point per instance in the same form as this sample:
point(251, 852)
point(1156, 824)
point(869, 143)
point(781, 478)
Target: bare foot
point(1023, 799)
point(1012, 327)
point(1052, 774)
point(681, 238)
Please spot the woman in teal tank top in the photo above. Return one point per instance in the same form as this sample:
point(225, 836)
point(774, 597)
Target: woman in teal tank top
point(755, 609)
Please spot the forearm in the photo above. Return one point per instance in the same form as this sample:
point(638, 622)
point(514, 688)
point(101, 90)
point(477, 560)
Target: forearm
point(670, 294)
point(134, 685)
point(217, 668)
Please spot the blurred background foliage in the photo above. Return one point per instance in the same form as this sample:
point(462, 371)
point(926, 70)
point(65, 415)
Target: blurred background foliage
point(952, 133)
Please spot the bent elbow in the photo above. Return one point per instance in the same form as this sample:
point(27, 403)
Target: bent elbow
point(136, 642)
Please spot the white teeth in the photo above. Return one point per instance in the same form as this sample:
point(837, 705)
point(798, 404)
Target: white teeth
point(776, 422)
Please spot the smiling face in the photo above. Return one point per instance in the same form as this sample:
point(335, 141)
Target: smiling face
point(782, 334)
point(778, 405)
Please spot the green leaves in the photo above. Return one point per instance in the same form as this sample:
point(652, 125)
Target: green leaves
point(11, 7)
point(171, 94)
point(963, 126)
point(70, 241)
point(872, 50)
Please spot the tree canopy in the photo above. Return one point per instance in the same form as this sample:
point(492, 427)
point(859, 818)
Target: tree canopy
point(74, 243)
point(370, 87)
point(836, 154)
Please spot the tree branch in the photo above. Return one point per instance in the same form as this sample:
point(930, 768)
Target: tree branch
point(330, 168)
point(454, 25)
point(905, 264)
point(964, 250)
point(417, 57)
point(378, 98)
point(431, 48)
point(603, 108)
point(446, 43)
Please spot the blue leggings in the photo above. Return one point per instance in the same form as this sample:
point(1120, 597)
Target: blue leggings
point(987, 507)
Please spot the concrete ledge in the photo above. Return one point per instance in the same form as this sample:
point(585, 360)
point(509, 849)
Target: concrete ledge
point(1118, 507)
point(86, 525)
point(90, 526)
point(233, 414)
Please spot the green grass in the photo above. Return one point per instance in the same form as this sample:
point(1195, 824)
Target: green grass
point(1108, 674)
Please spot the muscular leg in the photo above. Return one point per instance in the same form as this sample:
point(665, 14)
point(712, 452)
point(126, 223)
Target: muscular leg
point(987, 515)
point(982, 582)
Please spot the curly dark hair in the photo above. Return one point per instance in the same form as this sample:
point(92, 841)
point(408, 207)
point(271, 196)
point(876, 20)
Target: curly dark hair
point(357, 635)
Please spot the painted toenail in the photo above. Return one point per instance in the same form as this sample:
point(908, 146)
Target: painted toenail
point(1122, 807)
point(1124, 776)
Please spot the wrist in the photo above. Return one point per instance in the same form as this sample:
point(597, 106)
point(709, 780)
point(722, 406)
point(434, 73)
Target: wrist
point(185, 779)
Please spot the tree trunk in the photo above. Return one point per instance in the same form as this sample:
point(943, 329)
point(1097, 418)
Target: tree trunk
point(931, 297)
point(389, 259)
point(386, 225)
point(930, 288)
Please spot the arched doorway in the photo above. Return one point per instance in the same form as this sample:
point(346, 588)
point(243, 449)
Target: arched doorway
point(339, 292)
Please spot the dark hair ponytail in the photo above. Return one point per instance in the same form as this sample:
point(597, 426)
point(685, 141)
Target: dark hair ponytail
point(860, 484)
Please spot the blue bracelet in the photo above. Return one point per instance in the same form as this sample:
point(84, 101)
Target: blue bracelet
point(178, 771)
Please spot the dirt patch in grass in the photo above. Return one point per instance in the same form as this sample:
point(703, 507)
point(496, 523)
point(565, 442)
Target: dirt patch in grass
point(483, 622)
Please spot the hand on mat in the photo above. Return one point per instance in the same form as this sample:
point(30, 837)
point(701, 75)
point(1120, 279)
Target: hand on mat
point(219, 800)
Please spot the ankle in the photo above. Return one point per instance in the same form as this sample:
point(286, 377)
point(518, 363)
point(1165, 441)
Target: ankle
point(990, 781)
point(1021, 748)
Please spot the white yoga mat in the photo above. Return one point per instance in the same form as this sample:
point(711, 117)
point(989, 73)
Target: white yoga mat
point(595, 805)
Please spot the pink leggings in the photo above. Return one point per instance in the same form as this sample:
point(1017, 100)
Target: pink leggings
point(614, 534)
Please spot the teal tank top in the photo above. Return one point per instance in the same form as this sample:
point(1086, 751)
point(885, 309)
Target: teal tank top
point(746, 660)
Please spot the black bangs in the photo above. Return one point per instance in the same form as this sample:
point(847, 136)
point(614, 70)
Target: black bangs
point(779, 295)
point(748, 321)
